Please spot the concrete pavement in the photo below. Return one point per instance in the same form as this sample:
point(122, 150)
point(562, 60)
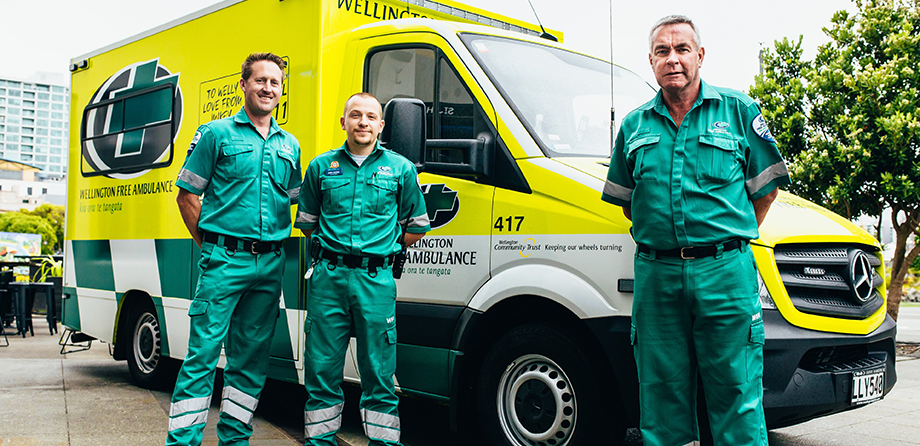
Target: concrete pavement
point(88, 399)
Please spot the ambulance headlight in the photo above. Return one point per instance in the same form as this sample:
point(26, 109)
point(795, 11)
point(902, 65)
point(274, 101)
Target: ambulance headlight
point(766, 300)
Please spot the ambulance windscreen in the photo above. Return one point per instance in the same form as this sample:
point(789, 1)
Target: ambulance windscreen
point(562, 97)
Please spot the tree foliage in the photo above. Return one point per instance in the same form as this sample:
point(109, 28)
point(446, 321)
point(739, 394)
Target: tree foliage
point(55, 217)
point(848, 122)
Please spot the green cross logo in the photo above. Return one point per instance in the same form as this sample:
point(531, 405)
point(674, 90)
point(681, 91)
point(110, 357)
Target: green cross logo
point(442, 204)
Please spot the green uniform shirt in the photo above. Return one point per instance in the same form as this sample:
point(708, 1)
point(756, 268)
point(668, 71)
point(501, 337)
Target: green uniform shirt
point(693, 185)
point(359, 210)
point(248, 182)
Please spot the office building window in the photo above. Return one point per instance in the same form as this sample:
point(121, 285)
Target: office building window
point(42, 114)
point(43, 96)
point(56, 133)
point(55, 168)
point(41, 158)
point(56, 89)
point(57, 115)
point(28, 94)
point(57, 107)
point(44, 190)
point(56, 142)
point(43, 132)
point(54, 150)
point(28, 112)
point(25, 157)
point(28, 104)
point(14, 101)
point(58, 97)
point(54, 159)
point(14, 93)
point(57, 124)
point(26, 148)
point(28, 191)
point(42, 105)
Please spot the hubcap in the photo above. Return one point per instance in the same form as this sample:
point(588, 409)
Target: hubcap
point(147, 343)
point(536, 403)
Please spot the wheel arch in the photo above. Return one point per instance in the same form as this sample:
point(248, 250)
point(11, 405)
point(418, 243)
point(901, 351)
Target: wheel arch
point(127, 302)
point(477, 334)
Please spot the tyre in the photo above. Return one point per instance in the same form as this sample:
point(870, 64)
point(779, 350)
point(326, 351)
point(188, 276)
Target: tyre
point(538, 386)
point(148, 368)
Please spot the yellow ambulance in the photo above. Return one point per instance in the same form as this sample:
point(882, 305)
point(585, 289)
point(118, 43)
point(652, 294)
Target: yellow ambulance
point(515, 308)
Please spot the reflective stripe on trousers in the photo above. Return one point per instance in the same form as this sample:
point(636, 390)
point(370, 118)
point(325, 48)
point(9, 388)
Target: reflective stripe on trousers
point(381, 426)
point(322, 421)
point(188, 412)
point(238, 404)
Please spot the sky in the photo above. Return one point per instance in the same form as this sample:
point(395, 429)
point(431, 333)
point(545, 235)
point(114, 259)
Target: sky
point(732, 31)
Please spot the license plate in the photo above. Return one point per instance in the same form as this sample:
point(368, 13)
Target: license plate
point(868, 386)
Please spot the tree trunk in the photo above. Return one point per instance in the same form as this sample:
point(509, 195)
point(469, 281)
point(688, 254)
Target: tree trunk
point(900, 263)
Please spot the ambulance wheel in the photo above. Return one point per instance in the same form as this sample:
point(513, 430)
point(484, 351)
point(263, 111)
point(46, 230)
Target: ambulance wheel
point(539, 387)
point(148, 368)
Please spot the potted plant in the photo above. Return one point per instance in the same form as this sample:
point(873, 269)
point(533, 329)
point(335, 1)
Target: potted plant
point(52, 270)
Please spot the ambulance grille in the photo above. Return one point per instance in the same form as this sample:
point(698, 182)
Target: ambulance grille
point(831, 280)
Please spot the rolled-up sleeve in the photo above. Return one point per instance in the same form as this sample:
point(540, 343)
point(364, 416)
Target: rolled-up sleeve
point(308, 198)
point(618, 188)
point(765, 170)
point(195, 174)
point(413, 214)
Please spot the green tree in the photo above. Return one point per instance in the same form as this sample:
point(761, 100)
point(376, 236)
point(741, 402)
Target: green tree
point(29, 224)
point(55, 217)
point(848, 122)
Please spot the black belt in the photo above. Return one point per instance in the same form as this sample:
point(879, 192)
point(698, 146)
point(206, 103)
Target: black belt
point(693, 252)
point(352, 261)
point(236, 244)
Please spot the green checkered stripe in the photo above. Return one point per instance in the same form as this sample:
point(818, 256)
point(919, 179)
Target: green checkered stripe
point(161, 268)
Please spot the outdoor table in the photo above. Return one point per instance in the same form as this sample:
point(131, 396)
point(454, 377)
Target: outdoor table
point(22, 308)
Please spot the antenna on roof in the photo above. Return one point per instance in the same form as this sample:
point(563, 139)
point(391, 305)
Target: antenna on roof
point(545, 34)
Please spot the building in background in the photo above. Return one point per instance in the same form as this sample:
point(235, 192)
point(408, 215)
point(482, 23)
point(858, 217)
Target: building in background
point(23, 186)
point(35, 122)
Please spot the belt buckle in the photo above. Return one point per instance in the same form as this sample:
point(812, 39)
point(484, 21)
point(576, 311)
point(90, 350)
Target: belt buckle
point(252, 248)
point(684, 256)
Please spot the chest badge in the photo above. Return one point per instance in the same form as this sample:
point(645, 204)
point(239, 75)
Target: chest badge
point(719, 127)
point(385, 171)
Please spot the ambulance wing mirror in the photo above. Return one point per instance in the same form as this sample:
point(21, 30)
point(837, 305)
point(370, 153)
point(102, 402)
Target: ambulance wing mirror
point(404, 132)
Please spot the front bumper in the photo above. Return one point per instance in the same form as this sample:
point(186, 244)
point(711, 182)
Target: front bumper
point(807, 374)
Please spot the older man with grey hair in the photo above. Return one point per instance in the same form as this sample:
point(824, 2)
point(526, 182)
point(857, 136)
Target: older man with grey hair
point(696, 170)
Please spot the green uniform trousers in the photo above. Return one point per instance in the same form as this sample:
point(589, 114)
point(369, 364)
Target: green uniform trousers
point(339, 297)
point(701, 315)
point(235, 305)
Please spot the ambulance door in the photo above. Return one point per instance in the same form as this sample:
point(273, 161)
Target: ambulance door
point(451, 262)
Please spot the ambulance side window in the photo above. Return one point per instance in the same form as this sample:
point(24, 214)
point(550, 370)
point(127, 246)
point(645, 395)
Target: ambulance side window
point(423, 73)
point(403, 73)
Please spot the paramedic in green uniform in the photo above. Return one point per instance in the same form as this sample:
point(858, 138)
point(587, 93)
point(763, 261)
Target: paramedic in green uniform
point(247, 171)
point(358, 204)
point(696, 170)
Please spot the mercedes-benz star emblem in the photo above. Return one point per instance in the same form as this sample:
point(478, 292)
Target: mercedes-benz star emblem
point(861, 276)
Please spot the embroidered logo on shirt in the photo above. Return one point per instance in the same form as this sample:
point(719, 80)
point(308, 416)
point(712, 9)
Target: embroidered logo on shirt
point(286, 148)
point(760, 128)
point(719, 127)
point(334, 164)
point(194, 143)
point(385, 171)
